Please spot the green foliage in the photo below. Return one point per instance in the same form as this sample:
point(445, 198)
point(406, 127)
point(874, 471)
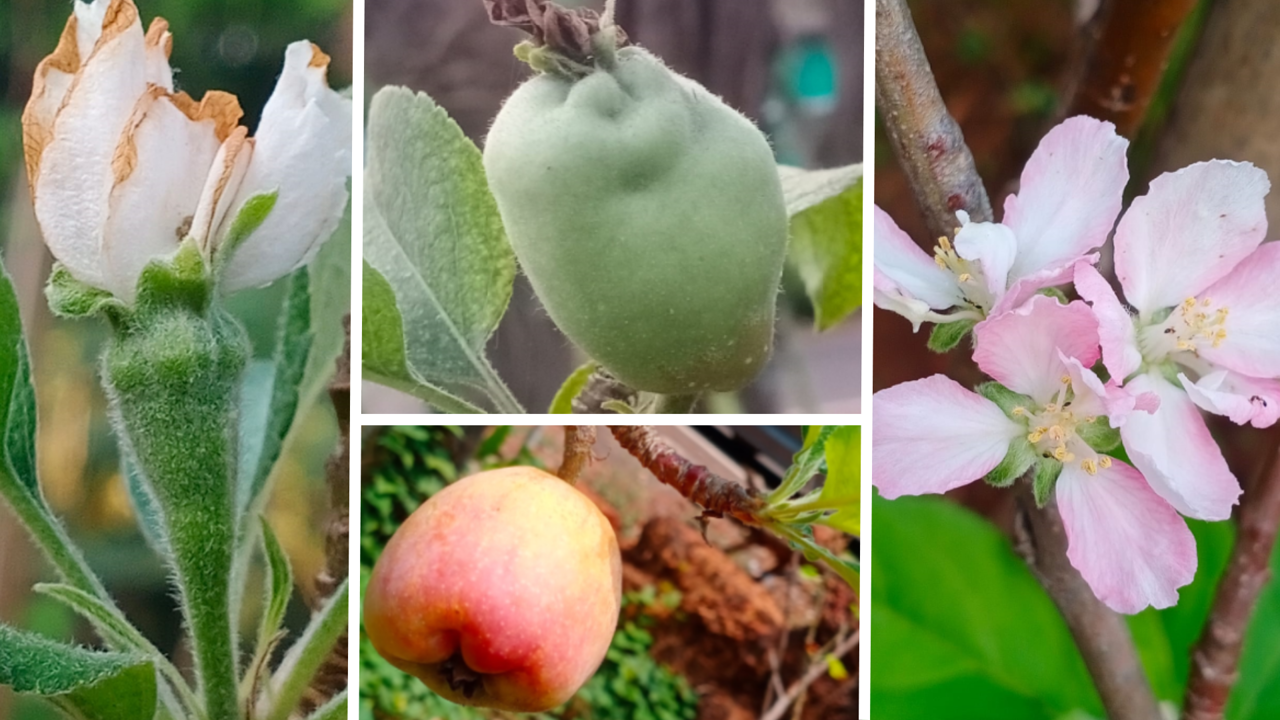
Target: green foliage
point(1099, 435)
point(251, 215)
point(70, 298)
point(971, 656)
point(825, 207)
point(1046, 478)
point(82, 683)
point(946, 336)
point(562, 403)
point(432, 232)
point(305, 657)
point(631, 685)
point(415, 464)
point(842, 489)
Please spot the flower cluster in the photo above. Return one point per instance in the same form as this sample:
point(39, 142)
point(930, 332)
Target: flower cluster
point(123, 169)
point(1097, 400)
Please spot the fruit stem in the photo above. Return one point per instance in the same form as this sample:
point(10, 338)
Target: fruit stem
point(578, 440)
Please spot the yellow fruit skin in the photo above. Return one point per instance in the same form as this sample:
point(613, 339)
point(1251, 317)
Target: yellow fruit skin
point(514, 568)
point(649, 218)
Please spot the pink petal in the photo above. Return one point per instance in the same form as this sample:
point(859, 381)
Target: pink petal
point(1020, 348)
point(1242, 399)
point(1025, 287)
point(1188, 231)
point(992, 246)
point(1119, 342)
point(1070, 194)
point(1127, 542)
point(1252, 344)
point(932, 435)
point(903, 263)
point(1175, 452)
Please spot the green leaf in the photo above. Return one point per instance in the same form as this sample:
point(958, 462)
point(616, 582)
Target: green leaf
point(68, 297)
point(805, 189)
point(84, 684)
point(843, 487)
point(116, 631)
point(946, 336)
point(804, 464)
point(562, 403)
point(1257, 694)
point(1007, 400)
point(330, 288)
point(995, 649)
point(432, 230)
point(280, 587)
point(18, 483)
point(252, 214)
point(826, 238)
point(269, 404)
point(1016, 462)
point(305, 657)
point(1184, 622)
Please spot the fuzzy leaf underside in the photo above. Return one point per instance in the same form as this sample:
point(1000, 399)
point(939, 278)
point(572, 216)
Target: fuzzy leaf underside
point(433, 232)
point(826, 249)
point(1016, 462)
point(85, 684)
point(946, 336)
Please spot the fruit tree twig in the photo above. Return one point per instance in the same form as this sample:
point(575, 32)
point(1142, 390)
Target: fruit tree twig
point(717, 496)
point(1128, 60)
point(1215, 662)
point(1100, 633)
point(815, 671)
point(926, 139)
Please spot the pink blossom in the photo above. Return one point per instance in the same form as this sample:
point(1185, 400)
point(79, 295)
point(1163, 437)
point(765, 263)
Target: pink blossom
point(932, 435)
point(1205, 328)
point(1069, 197)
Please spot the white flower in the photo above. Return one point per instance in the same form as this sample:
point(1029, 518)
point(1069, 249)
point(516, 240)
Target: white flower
point(123, 169)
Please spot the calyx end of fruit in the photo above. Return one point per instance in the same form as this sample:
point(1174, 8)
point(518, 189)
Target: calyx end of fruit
point(460, 677)
point(567, 42)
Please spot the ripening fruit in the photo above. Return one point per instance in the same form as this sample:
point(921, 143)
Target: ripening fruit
point(649, 217)
point(501, 591)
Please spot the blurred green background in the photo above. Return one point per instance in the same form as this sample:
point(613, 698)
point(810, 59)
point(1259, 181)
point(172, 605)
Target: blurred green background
point(232, 45)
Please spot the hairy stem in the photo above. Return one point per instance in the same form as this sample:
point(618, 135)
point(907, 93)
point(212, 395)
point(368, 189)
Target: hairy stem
point(925, 138)
point(1215, 661)
point(1102, 635)
point(717, 496)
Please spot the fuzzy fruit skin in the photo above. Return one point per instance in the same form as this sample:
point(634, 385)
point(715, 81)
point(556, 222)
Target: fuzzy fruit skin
point(515, 567)
point(650, 219)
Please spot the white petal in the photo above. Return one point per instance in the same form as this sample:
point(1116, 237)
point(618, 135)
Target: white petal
point(932, 435)
point(302, 150)
point(159, 45)
point(1240, 398)
point(225, 176)
point(160, 168)
point(1069, 195)
point(1188, 231)
point(75, 175)
point(898, 260)
point(993, 247)
point(1175, 452)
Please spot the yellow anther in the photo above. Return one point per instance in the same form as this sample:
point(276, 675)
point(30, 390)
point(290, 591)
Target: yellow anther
point(1104, 462)
point(1065, 379)
point(1090, 466)
point(1206, 302)
point(937, 259)
point(1036, 434)
point(1060, 453)
point(1188, 304)
point(945, 243)
point(965, 277)
point(1019, 411)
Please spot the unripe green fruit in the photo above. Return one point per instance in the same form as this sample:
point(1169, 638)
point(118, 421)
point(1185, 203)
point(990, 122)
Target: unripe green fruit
point(649, 217)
